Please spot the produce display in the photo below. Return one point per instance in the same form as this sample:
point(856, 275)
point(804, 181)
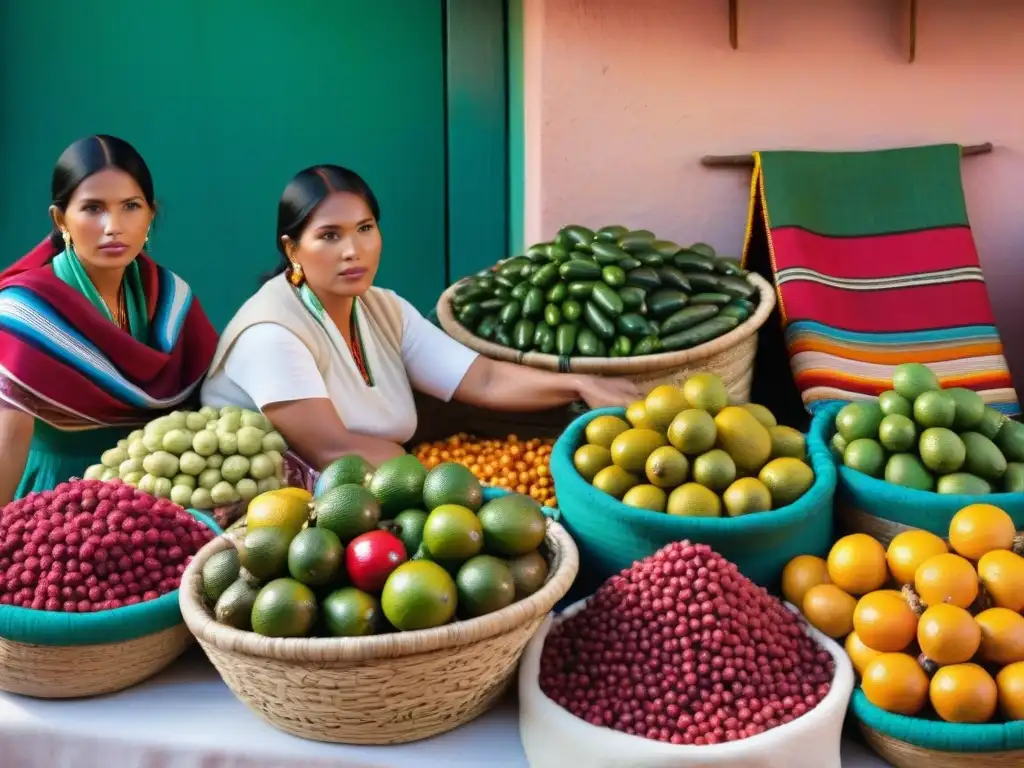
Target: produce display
point(933, 629)
point(920, 436)
point(610, 293)
point(377, 550)
point(686, 451)
point(522, 466)
point(91, 546)
point(682, 648)
point(199, 459)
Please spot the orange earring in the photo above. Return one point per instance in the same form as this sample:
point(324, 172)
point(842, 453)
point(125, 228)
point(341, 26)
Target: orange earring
point(296, 277)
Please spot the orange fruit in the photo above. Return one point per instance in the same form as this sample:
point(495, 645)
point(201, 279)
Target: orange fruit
point(856, 564)
point(800, 574)
point(908, 550)
point(947, 634)
point(1010, 684)
point(1002, 635)
point(946, 578)
point(963, 693)
point(860, 655)
point(884, 622)
point(980, 528)
point(829, 609)
point(1002, 575)
point(896, 683)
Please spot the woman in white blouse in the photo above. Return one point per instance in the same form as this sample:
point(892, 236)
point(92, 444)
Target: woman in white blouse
point(332, 361)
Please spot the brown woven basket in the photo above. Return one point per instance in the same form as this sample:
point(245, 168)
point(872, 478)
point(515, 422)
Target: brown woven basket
point(731, 356)
point(850, 519)
point(76, 671)
point(386, 689)
point(904, 755)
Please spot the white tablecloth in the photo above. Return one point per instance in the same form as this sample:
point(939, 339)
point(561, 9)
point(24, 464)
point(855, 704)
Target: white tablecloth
point(187, 718)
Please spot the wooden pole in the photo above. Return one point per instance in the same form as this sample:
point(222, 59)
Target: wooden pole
point(913, 30)
point(734, 24)
point(747, 161)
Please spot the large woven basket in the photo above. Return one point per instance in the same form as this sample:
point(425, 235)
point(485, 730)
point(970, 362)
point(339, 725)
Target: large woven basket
point(912, 742)
point(386, 689)
point(731, 356)
point(90, 654)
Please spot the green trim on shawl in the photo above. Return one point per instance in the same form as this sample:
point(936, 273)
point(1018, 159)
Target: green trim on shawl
point(68, 268)
point(313, 305)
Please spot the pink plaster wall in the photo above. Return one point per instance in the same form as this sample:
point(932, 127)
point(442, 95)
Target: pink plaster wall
point(622, 98)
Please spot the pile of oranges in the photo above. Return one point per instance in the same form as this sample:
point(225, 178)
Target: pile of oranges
point(521, 466)
point(926, 624)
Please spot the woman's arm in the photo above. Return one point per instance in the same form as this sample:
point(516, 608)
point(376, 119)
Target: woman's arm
point(508, 387)
point(16, 429)
point(313, 429)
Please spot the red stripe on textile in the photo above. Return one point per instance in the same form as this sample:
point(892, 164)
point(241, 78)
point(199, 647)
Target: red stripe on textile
point(908, 253)
point(923, 308)
point(979, 382)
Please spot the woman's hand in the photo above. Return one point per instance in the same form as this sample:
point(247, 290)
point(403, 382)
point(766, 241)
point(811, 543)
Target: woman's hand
point(606, 392)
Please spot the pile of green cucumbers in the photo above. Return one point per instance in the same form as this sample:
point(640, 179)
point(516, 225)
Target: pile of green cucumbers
point(613, 292)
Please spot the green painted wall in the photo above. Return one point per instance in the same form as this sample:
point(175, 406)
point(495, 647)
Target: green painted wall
point(227, 99)
point(516, 127)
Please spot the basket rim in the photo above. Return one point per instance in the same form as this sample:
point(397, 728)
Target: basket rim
point(565, 565)
point(610, 365)
point(820, 459)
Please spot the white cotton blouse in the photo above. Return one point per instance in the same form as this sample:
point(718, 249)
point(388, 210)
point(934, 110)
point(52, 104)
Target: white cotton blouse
point(269, 363)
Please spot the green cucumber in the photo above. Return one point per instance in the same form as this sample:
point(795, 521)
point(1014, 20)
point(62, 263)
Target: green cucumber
point(689, 261)
point(665, 301)
point(598, 322)
point(673, 277)
point(704, 282)
point(729, 266)
point(552, 315)
point(527, 272)
point(565, 338)
point(581, 288)
point(577, 235)
point(522, 334)
point(648, 345)
point(493, 305)
point(486, 327)
point(513, 268)
point(633, 325)
point(545, 276)
point(606, 299)
point(510, 312)
point(732, 310)
point(614, 275)
point(629, 263)
point(506, 282)
point(533, 304)
point(587, 343)
point(621, 347)
point(557, 253)
point(739, 287)
point(538, 253)
point(608, 253)
point(520, 291)
point(699, 334)
point(703, 248)
point(470, 314)
point(650, 258)
point(718, 299)
point(610, 233)
point(503, 335)
point(643, 277)
point(557, 293)
point(544, 338)
point(632, 297)
point(578, 269)
point(687, 317)
point(636, 240)
point(502, 293)
point(655, 327)
point(572, 310)
point(747, 305)
point(666, 248)
point(471, 292)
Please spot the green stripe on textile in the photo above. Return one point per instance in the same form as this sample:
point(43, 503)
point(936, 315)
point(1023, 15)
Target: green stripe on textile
point(855, 194)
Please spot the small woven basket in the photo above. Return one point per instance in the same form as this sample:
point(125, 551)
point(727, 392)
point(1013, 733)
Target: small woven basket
point(913, 742)
point(385, 689)
point(65, 656)
point(731, 355)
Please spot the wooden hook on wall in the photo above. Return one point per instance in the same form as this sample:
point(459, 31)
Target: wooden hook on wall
point(913, 31)
point(734, 26)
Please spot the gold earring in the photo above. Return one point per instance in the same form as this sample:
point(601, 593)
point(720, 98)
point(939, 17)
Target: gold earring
point(296, 277)
point(67, 240)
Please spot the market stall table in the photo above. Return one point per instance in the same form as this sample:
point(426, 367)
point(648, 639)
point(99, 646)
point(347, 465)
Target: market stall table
point(187, 718)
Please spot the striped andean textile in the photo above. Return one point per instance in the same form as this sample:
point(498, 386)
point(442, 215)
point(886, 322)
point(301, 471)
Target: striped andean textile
point(875, 265)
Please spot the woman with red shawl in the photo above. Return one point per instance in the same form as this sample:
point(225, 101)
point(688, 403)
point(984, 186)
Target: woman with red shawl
point(96, 339)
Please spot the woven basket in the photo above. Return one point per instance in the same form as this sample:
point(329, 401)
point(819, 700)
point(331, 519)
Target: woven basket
point(731, 356)
point(913, 742)
point(386, 689)
point(51, 669)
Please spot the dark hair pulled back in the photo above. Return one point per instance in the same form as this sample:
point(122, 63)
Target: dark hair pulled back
point(305, 193)
point(90, 155)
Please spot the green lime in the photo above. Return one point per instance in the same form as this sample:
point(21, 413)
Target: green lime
point(410, 524)
point(897, 433)
point(284, 608)
point(485, 585)
point(911, 380)
point(893, 403)
point(419, 594)
point(907, 470)
point(942, 450)
point(398, 484)
point(529, 572)
point(264, 552)
point(347, 470)
point(347, 511)
point(935, 409)
point(715, 470)
point(219, 573)
point(859, 420)
point(315, 556)
point(970, 409)
point(453, 532)
point(591, 459)
point(512, 525)
point(865, 455)
point(452, 483)
point(349, 612)
point(649, 497)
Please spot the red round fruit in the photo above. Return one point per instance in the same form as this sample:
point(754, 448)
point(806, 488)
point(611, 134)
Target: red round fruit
point(370, 559)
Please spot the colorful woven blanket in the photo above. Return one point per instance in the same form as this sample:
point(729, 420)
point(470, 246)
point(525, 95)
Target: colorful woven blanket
point(875, 265)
